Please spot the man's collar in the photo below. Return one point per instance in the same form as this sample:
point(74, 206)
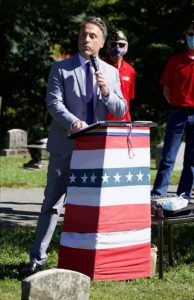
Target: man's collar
point(82, 60)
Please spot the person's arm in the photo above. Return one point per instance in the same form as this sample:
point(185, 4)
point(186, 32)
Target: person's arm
point(166, 93)
point(55, 102)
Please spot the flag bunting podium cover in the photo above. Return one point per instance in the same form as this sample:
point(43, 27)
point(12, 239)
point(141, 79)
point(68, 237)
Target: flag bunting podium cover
point(106, 233)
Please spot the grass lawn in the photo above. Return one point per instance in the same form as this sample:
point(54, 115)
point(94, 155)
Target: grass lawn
point(178, 282)
point(176, 285)
point(12, 174)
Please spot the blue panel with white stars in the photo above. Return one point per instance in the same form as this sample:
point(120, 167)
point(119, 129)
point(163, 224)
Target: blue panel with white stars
point(109, 177)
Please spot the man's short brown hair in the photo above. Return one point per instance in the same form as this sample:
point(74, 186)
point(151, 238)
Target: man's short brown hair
point(98, 22)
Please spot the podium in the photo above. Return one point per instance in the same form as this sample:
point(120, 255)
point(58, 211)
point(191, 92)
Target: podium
point(106, 233)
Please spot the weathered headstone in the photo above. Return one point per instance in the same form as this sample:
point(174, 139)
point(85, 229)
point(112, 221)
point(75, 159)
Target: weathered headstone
point(56, 284)
point(16, 138)
point(15, 143)
point(179, 159)
point(39, 155)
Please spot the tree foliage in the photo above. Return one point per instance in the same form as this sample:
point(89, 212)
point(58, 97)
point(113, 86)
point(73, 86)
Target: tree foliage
point(29, 29)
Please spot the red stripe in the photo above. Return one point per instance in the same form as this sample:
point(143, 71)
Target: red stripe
point(111, 142)
point(111, 264)
point(106, 218)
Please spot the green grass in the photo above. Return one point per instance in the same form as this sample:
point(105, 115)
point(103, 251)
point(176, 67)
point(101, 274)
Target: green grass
point(12, 173)
point(176, 285)
point(16, 241)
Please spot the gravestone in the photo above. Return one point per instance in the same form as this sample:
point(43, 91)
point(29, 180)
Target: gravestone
point(179, 159)
point(39, 155)
point(56, 284)
point(15, 143)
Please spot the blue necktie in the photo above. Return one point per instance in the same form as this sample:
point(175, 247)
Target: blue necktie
point(89, 94)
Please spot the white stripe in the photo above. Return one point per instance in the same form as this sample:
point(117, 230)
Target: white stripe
point(110, 158)
point(108, 196)
point(92, 241)
point(124, 130)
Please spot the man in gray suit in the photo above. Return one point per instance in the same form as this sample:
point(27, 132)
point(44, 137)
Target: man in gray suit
point(67, 103)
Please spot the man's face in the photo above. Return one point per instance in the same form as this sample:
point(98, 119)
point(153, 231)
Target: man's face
point(190, 38)
point(90, 40)
point(120, 43)
point(117, 49)
point(190, 33)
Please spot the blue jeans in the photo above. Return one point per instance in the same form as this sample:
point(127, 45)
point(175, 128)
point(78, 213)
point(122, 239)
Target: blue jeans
point(180, 122)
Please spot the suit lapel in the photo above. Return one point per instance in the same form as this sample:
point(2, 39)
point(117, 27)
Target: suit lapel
point(79, 77)
point(99, 96)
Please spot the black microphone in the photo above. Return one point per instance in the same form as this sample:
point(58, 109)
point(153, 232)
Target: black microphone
point(94, 62)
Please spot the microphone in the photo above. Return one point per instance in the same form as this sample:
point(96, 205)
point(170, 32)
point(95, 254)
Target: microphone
point(94, 62)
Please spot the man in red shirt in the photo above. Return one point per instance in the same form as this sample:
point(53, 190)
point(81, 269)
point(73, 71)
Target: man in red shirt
point(178, 89)
point(117, 48)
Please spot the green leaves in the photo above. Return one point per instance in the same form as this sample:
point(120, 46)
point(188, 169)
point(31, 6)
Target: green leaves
point(29, 29)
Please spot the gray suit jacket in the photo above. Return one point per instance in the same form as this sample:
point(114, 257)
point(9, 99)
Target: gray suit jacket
point(66, 101)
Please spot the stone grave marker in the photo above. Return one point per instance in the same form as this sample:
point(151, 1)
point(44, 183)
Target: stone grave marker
point(15, 143)
point(56, 284)
point(39, 155)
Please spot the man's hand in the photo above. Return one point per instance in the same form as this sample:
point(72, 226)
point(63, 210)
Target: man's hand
point(77, 125)
point(101, 82)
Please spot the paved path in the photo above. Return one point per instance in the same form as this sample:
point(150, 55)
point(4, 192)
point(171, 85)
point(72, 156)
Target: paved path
point(21, 207)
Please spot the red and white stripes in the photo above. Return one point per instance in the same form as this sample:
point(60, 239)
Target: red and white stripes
point(106, 231)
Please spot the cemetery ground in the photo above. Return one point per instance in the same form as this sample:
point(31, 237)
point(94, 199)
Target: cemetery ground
point(177, 284)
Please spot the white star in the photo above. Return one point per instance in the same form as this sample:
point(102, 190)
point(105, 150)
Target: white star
point(117, 177)
point(140, 176)
point(72, 178)
point(84, 178)
point(148, 176)
point(93, 178)
point(105, 178)
point(129, 176)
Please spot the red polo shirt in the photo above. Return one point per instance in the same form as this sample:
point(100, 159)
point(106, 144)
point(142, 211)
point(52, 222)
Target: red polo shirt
point(127, 79)
point(179, 76)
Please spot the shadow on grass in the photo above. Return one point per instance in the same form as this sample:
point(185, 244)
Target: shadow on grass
point(183, 243)
point(15, 244)
point(12, 271)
